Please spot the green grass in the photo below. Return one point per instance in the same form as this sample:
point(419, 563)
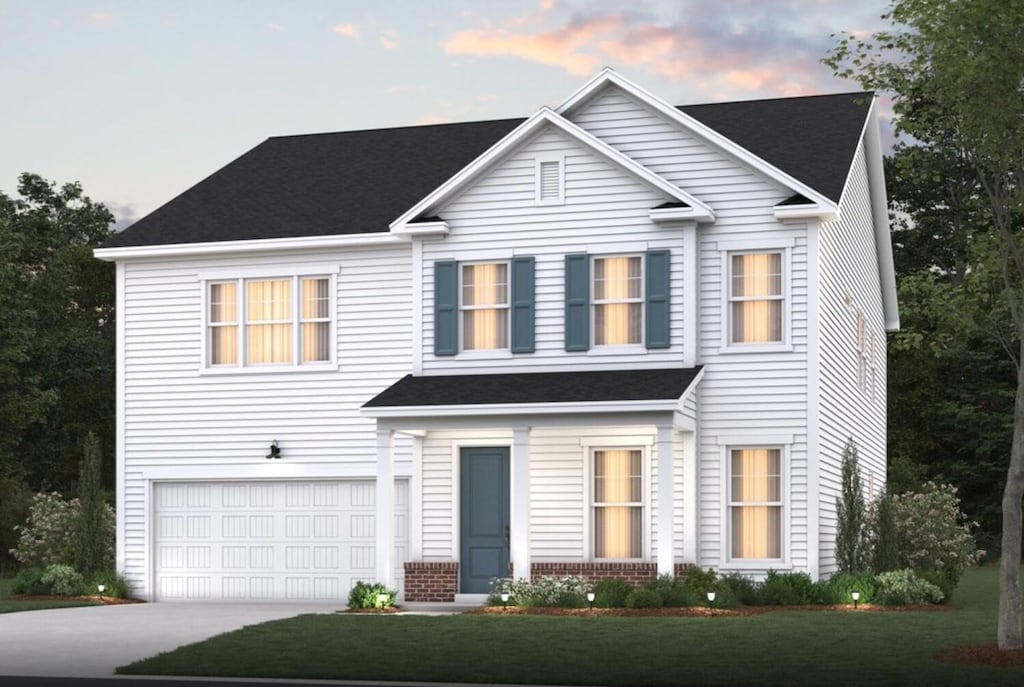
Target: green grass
point(14, 605)
point(782, 648)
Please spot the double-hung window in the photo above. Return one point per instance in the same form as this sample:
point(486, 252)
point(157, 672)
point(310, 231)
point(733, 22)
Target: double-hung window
point(618, 301)
point(618, 503)
point(755, 503)
point(756, 298)
point(264, 322)
point(485, 307)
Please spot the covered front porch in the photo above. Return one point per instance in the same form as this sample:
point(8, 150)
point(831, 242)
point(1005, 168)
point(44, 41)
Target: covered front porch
point(539, 474)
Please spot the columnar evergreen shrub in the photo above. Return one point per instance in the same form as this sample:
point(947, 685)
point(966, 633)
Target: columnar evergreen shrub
point(850, 515)
point(91, 538)
point(884, 543)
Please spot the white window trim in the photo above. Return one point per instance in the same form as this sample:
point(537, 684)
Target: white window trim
point(487, 353)
point(240, 278)
point(589, 449)
point(617, 349)
point(727, 346)
point(549, 157)
point(726, 446)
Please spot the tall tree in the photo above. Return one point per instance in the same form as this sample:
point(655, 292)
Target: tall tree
point(57, 351)
point(851, 550)
point(955, 71)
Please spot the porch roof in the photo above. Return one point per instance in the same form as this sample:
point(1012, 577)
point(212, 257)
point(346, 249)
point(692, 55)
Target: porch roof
point(537, 387)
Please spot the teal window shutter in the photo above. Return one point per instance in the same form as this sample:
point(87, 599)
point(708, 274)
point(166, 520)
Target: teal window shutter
point(523, 305)
point(656, 288)
point(577, 302)
point(446, 307)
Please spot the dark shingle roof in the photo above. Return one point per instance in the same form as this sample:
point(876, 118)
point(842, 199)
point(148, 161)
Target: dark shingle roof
point(360, 181)
point(536, 387)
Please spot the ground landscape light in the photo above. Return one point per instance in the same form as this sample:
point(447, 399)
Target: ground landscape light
point(504, 598)
point(590, 599)
point(856, 598)
point(101, 588)
point(382, 599)
point(711, 599)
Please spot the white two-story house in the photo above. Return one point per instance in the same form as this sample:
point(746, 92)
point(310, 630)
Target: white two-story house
point(616, 338)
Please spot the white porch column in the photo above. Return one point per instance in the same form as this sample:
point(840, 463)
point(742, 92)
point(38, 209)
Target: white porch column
point(385, 506)
point(666, 477)
point(691, 496)
point(519, 503)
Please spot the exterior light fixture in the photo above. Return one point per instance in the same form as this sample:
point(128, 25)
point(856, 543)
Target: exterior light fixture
point(711, 599)
point(856, 598)
point(504, 599)
point(275, 450)
point(101, 588)
point(590, 599)
point(382, 600)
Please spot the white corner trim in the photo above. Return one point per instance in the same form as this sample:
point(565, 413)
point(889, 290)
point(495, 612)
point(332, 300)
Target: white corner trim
point(609, 76)
point(880, 219)
point(120, 435)
point(249, 246)
point(813, 402)
point(542, 117)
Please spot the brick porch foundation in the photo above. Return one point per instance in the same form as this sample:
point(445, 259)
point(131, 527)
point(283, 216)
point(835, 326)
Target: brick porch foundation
point(431, 581)
point(634, 573)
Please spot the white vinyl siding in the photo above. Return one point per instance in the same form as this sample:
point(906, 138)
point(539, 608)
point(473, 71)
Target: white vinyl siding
point(852, 389)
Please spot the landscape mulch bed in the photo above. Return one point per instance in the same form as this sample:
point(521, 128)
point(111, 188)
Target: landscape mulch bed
point(982, 654)
point(109, 600)
point(698, 611)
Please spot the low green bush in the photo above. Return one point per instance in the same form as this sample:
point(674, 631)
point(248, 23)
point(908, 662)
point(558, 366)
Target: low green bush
point(699, 581)
point(29, 581)
point(681, 595)
point(63, 580)
point(746, 591)
point(823, 594)
point(724, 596)
point(114, 584)
point(377, 595)
point(941, 580)
point(903, 587)
point(611, 592)
point(844, 584)
point(787, 589)
point(643, 597)
point(661, 585)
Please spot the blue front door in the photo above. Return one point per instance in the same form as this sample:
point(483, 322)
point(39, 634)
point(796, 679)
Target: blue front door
point(484, 517)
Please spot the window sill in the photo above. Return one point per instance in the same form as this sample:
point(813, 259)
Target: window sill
point(632, 349)
point(734, 349)
point(495, 354)
point(267, 369)
point(777, 564)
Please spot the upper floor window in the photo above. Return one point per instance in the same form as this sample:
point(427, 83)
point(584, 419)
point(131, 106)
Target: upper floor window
point(756, 298)
point(618, 503)
point(755, 503)
point(281, 321)
point(485, 307)
point(618, 301)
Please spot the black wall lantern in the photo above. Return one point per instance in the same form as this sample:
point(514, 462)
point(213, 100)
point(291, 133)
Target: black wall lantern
point(275, 450)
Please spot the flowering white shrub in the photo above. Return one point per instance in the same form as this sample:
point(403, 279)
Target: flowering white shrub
point(50, 532)
point(902, 587)
point(63, 580)
point(568, 591)
point(932, 533)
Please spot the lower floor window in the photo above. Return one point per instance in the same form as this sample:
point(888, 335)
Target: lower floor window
point(755, 502)
point(618, 504)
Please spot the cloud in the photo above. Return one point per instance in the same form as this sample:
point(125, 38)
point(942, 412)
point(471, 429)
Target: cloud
point(101, 18)
point(346, 30)
point(125, 214)
point(275, 27)
point(388, 40)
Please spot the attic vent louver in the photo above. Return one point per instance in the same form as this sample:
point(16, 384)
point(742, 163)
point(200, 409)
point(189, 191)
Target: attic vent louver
point(549, 181)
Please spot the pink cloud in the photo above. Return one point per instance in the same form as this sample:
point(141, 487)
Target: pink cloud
point(388, 40)
point(100, 18)
point(346, 30)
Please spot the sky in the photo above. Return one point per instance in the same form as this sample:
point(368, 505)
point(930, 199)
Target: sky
point(140, 99)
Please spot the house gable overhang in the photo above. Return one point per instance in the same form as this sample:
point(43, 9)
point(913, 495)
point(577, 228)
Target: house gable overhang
point(824, 208)
point(690, 209)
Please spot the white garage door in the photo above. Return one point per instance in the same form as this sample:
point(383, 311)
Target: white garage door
point(269, 541)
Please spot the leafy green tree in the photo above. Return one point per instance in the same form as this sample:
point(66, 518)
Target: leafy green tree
point(851, 554)
point(91, 543)
point(57, 352)
point(955, 71)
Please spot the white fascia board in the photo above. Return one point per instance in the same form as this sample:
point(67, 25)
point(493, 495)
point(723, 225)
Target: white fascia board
point(880, 219)
point(423, 229)
point(464, 410)
point(825, 214)
point(543, 117)
point(692, 388)
point(610, 76)
point(690, 214)
point(250, 246)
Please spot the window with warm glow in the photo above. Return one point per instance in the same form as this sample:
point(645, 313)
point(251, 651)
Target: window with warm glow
point(484, 306)
point(755, 298)
point(618, 504)
point(755, 502)
point(618, 301)
point(280, 321)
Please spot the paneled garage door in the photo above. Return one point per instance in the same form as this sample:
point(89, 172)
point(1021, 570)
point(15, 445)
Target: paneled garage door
point(269, 541)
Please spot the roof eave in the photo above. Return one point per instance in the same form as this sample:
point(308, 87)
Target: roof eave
point(489, 409)
point(171, 250)
point(828, 213)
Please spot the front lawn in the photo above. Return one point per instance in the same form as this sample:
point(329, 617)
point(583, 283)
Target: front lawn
point(789, 647)
point(8, 605)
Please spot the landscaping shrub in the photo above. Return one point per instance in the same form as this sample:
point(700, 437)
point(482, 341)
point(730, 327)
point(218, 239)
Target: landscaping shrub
point(903, 587)
point(643, 597)
point(63, 580)
point(567, 592)
point(724, 597)
point(699, 581)
point(787, 589)
point(51, 531)
point(822, 593)
point(29, 581)
point(932, 532)
point(90, 536)
point(115, 585)
point(680, 595)
point(611, 592)
point(746, 591)
point(940, 580)
point(884, 547)
point(844, 584)
point(661, 585)
point(851, 539)
point(364, 595)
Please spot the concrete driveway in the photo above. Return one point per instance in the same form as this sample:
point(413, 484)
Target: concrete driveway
point(93, 640)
